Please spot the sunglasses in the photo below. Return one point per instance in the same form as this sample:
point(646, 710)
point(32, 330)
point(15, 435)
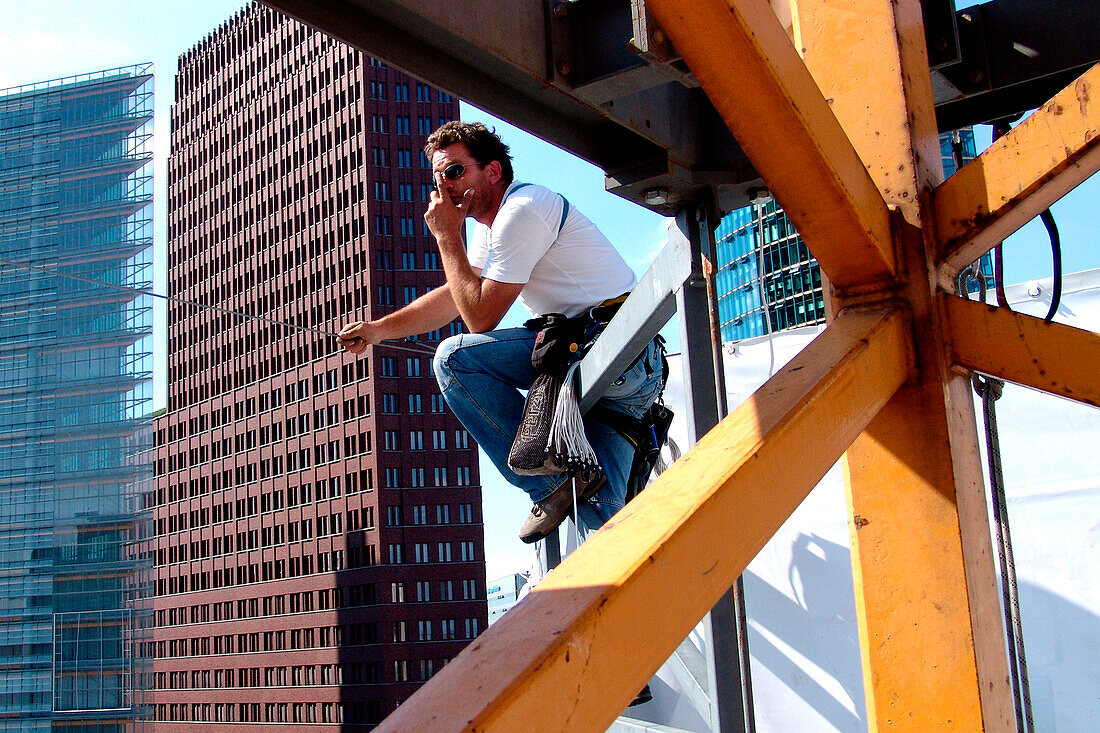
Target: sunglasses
point(455, 170)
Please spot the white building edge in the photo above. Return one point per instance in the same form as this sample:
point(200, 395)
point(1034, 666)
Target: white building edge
point(803, 641)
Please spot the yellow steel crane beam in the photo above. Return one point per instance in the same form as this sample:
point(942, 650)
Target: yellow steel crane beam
point(760, 86)
point(1018, 176)
point(573, 653)
point(927, 603)
point(1023, 349)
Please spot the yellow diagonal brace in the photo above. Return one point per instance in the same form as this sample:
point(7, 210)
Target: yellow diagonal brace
point(1023, 349)
point(572, 654)
point(1018, 176)
point(746, 64)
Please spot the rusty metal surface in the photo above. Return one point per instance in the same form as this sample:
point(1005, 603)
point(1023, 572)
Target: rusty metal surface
point(1019, 348)
point(1018, 176)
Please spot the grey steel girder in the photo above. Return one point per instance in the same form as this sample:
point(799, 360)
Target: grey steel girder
point(594, 77)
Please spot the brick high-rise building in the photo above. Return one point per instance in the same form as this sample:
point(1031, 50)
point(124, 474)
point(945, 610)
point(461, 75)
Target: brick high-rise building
point(319, 543)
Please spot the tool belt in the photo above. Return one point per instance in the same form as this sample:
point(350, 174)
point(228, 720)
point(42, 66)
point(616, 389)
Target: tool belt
point(561, 342)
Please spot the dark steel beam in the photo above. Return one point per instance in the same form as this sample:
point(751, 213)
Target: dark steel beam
point(1015, 55)
point(600, 79)
point(592, 77)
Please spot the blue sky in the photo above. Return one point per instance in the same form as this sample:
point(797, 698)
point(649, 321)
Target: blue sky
point(45, 40)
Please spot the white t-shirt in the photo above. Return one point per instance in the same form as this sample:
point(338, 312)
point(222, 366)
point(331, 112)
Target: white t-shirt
point(568, 265)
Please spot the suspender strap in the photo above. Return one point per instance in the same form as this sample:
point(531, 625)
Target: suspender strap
point(564, 203)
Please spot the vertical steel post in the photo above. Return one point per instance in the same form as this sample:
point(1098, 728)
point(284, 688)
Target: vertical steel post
point(922, 562)
point(726, 676)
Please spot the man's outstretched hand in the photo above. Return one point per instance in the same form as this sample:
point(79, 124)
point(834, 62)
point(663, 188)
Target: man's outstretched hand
point(356, 336)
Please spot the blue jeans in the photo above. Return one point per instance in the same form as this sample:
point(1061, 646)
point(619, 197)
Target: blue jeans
point(481, 376)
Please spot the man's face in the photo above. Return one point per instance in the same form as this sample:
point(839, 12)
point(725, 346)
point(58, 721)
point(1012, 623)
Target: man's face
point(475, 176)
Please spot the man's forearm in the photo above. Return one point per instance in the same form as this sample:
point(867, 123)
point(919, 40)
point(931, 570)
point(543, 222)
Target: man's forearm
point(463, 282)
point(429, 312)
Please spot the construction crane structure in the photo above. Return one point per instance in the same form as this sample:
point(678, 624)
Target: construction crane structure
point(835, 106)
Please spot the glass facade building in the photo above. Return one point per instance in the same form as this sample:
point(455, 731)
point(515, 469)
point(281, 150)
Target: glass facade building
point(762, 259)
point(75, 392)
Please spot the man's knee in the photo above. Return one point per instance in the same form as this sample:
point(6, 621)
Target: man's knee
point(443, 361)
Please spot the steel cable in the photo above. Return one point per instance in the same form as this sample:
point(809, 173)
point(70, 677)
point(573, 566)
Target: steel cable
point(195, 304)
point(990, 390)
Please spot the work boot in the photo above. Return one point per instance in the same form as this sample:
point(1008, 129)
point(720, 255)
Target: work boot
point(548, 514)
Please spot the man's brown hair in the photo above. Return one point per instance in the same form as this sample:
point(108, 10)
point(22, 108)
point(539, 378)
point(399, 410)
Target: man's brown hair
point(484, 144)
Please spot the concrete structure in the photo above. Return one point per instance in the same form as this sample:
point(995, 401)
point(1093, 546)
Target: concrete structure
point(75, 392)
point(319, 542)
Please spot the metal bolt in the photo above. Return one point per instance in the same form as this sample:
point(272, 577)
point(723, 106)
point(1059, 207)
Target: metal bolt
point(561, 10)
point(564, 68)
point(656, 197)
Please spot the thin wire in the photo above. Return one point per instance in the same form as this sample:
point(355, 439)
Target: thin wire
point(1056, 263)
point(990, 390)
point(196, 304)
point(764, 292)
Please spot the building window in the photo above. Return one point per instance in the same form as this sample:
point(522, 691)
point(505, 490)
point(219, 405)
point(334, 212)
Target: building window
point(471, 628)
